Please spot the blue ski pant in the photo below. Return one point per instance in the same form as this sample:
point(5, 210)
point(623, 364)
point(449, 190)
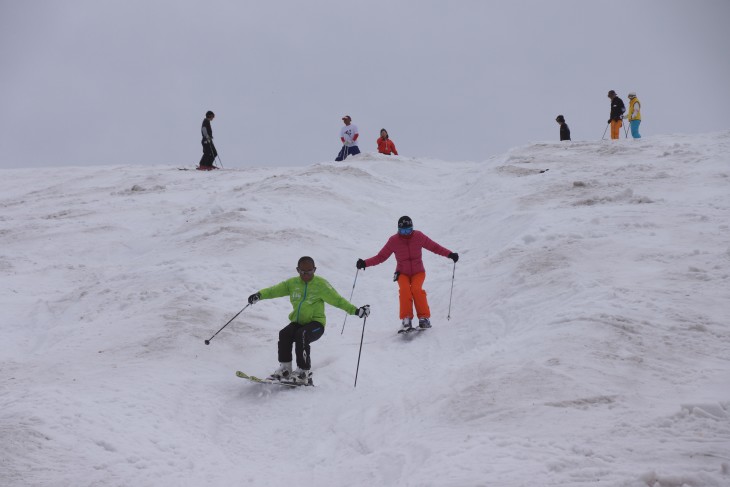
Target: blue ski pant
point(347, 151)
point(300, 336)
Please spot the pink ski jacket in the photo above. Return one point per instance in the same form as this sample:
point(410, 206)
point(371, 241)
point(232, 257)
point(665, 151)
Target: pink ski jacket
point(407, 250)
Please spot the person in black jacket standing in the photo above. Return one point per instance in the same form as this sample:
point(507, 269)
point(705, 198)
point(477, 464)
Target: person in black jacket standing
point(617, 114)
point(564, 129)
point(209, 152)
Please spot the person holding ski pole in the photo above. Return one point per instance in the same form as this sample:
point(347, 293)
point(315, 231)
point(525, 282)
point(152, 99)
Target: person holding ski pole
point(617, 114)
point(307, 294)
point(348, 136)
point(385, 145)
point(209, 152)
point(410, 272)
point(564, 129)
point(634, 115)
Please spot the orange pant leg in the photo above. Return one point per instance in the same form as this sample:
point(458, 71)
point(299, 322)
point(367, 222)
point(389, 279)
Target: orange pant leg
point(616, 129)
point(411, 292)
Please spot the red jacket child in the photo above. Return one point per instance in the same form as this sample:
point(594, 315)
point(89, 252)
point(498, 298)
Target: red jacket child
point(385, 145)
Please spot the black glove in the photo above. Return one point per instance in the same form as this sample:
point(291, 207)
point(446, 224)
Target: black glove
point(396, 275)
point(360, 264)
point(363, 311)
point(253, 299)
point(454, 256)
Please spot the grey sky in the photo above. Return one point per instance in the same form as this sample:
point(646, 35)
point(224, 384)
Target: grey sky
point(128, 82)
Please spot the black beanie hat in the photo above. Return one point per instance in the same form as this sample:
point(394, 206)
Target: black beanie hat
point(405, 222)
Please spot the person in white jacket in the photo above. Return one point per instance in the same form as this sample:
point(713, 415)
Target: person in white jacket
point(634, 115)
point(348, 136)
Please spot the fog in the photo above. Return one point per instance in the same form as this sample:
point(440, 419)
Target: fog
point(88, 82)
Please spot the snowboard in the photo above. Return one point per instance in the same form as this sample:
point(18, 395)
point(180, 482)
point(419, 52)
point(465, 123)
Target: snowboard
point(253, 378)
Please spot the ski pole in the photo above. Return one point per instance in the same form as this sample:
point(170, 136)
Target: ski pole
point(604, 132)
point(217, 155)
point(351, 293)
point(360, 352)
point(207, 342)
point(452, 290)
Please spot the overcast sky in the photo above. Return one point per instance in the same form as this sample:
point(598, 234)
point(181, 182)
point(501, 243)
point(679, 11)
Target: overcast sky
point(129, 82)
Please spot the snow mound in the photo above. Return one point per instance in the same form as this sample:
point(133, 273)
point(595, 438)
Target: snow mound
point(588, 339)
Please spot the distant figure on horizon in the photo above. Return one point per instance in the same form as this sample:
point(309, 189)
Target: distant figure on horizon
point(209, 151)
point(348, 136)
point(634, 115)
point(385, 145)
point(564, 129)
point(617, 114)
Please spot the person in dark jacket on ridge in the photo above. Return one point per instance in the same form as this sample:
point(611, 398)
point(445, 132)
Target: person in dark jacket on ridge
point(209, 152)
point(564, 129)
point(410, 273)
point(617, 114)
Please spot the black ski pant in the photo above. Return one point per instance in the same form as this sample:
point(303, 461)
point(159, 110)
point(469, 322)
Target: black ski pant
point(301, 336)
point(209, 155)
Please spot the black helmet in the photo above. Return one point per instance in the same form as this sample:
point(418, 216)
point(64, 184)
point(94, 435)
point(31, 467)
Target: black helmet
point(560, 119)
point(209, 114)
point(405, 222)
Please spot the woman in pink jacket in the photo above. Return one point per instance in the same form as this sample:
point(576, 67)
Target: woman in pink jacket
point(410, 272)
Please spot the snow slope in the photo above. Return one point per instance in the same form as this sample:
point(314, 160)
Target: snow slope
point(589, 339)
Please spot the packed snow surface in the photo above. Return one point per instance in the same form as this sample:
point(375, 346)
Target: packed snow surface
point(588, 341)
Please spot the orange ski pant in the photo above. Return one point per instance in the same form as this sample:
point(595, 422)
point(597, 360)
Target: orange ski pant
point(616, 129)
point(410, 291)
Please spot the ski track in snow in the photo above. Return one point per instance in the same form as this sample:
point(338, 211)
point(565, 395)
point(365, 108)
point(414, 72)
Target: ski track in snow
point(588, 343)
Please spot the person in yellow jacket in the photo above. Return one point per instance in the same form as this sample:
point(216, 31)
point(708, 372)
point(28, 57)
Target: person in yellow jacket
point(634, 115)
point(307, 294)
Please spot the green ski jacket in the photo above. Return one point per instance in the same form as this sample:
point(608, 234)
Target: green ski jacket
point(308, 298)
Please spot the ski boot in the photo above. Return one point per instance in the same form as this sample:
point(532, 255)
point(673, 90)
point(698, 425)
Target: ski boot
point(282, 373)
point(302, 377)
point(405, 326)
point(424, 323)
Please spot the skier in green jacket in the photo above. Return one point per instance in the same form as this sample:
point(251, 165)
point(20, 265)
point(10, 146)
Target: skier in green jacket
point(307, 294)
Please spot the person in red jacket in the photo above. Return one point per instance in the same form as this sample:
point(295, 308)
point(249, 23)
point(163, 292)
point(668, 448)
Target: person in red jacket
point(385, 145)
point(410, 273)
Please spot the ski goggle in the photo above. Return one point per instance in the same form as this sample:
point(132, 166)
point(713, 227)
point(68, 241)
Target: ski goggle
point(405, 231)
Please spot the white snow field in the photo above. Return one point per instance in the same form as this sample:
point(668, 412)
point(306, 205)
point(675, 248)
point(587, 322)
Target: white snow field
point(589, 339)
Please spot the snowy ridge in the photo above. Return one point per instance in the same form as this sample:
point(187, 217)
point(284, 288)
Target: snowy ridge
point(589, 341)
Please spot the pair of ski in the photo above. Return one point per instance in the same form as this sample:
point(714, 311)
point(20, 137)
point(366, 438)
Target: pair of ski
point(411, 331)
point(253, 378)
point(285, 383)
